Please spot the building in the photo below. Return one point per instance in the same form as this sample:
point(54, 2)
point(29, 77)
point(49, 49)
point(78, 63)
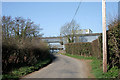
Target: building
point(84, 31)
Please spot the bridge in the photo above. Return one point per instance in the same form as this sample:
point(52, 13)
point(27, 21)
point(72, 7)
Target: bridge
point(63, 40)
point(78, 38)
point(52, 39)
point(56, 47)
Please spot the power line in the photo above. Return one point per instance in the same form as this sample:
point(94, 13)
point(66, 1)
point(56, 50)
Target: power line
point(76, 11)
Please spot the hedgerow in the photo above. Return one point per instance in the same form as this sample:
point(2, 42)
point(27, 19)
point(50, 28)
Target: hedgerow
point(95, 48)
point(20, 45)
point(79, 48)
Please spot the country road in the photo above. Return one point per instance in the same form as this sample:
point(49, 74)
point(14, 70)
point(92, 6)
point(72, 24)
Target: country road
point(64, 67)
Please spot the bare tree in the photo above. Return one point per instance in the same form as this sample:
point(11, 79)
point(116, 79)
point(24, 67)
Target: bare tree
point(112, 20)
point(69, 30)
point(19, 28)
point(7, 25)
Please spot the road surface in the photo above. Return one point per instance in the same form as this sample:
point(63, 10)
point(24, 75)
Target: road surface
point(64, 67)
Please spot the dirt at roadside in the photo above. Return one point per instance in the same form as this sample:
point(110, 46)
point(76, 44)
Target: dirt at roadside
point(90, 75)
point(89, 68)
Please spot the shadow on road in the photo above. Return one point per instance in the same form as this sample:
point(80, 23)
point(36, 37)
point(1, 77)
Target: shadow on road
point(53, 56)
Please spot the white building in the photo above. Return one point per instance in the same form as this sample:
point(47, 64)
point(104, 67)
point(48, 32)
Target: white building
point(84, 31)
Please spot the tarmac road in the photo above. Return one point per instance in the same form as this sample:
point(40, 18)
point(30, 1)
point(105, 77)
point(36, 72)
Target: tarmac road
point(64, 67)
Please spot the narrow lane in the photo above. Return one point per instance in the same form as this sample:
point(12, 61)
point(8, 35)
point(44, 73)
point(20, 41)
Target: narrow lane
point(63, 67)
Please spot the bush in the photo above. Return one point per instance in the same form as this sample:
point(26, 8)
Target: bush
point(16, 54)
point(22, 71)
point(20, 46)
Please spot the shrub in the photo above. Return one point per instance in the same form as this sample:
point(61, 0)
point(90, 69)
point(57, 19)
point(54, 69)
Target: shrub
point(17, 53)
point(20, 47)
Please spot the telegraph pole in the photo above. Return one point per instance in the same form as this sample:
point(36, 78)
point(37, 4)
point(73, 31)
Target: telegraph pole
point(104, 36)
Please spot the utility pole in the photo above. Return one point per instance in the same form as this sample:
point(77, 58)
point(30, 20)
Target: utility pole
point(104, 36)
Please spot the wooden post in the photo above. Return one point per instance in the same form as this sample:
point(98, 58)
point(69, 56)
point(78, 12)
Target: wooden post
point(104, 36)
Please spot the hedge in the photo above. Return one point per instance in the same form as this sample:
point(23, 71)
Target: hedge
point(16, 53)
point(95, 48)
point(79, 48)
point(113, 36)
point(113, 45)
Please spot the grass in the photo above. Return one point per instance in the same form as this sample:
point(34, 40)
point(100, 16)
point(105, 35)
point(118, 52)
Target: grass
point(79, 57)
point(97, 70)
point(17, 73)
point(96, 65)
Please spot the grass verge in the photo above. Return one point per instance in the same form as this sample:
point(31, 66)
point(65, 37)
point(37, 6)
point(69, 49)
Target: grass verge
point(17, 73)
point(79, 57)
point(97, 70)
point(96, 65)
